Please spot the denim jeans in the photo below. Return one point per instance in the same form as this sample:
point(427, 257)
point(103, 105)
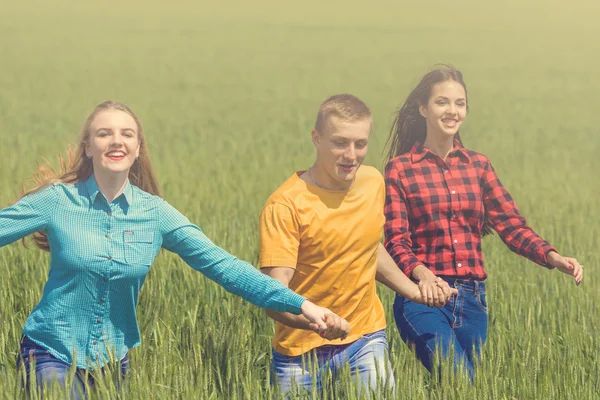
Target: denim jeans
point(49, 370)
point(461, 324)
point(367, 358)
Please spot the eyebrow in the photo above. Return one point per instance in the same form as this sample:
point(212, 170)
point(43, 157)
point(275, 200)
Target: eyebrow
point(446, 98)
point(110, 129)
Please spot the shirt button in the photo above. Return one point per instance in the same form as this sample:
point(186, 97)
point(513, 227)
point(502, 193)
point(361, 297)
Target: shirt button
point(108, 257)
point(454, 192)
point(102, 298)
point(98, 320)
point(453, 215)
point(455, 241)
point(446, 171)
point(108, 213)
point(94, 343)
point(105, 279)
point(459, 265)
point(107, 236)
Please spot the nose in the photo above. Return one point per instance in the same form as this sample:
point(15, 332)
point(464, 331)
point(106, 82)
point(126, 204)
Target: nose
point(452, 109)
point(117, 140)
point(350, 153)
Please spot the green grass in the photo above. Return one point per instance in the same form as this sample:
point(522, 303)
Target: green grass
point(228, 93)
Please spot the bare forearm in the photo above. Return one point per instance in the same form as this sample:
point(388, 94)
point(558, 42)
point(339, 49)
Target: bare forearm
point(391, 276)
point(421, 272)
point(289, 319)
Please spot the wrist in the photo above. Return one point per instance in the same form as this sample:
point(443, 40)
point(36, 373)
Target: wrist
point(422, 273)
point(551, 257)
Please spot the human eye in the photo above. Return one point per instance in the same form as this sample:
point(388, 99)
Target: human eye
point(102, 133)
point(361, 145)
point(128, 134)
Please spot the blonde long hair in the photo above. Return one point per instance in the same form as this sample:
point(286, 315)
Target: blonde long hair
point(77, 167)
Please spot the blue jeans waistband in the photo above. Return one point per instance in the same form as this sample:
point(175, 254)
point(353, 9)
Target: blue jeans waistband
point(468, 284)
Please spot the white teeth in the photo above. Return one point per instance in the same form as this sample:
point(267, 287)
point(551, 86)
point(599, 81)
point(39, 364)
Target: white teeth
point(115, 154)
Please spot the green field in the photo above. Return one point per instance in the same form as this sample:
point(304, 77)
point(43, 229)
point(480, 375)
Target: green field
point(228, 93)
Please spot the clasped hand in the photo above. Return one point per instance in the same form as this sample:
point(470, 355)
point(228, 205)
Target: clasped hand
point(434, 291)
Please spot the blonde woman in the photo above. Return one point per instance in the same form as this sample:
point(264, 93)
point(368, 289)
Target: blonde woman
point(104, 223)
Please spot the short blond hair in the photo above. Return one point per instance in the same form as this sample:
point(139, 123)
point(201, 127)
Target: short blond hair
point(346, 107)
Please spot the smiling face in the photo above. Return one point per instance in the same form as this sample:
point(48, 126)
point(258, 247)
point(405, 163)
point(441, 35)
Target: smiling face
point(113, 142)
point(341, 149)
point(445, 110)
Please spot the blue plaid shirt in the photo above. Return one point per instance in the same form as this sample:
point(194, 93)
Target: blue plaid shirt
point(100, 254)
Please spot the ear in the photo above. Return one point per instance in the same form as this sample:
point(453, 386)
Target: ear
point(423, 110)
point(316, 137)
point(87, 151)
point(137, 151)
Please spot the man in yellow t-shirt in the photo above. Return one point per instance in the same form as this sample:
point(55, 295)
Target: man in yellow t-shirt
point(320, 234)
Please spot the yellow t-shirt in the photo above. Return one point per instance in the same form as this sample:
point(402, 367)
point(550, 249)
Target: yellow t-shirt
point(331, 239)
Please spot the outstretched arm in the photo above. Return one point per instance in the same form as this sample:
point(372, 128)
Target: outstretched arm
point(512, 228)
point(30, 214)
point(236, 276)
point(336, 327)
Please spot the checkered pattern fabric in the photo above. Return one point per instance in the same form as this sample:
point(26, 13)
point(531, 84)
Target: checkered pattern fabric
point(100, 254)
point(435, 211)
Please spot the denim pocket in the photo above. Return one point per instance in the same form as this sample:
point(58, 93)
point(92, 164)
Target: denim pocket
point(482, 301)
point(139, 247)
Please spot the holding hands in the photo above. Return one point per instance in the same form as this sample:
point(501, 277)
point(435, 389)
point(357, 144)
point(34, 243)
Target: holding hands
point(323, 321)
point(566, 265)
point(432, 290)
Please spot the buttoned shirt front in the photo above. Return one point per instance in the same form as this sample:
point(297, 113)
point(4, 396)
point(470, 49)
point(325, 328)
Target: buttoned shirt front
point(100, 254)
point(435, 210)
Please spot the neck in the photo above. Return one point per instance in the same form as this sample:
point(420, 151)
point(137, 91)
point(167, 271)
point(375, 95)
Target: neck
point(440, 145)
point(111, 185)
point(322, 179)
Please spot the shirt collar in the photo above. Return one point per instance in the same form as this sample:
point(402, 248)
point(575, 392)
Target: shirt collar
point(418, 152)
point(92, 188)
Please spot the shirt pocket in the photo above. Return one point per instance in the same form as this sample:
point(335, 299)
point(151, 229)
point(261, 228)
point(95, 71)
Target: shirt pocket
point(139, 247)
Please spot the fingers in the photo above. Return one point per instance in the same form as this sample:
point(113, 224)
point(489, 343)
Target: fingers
point(423, 289)
point(445, 288)
point(334, 325)
point(315, 315)
point(437, 296)
point(345, 329)
point(429, 293)
point(338, 328)
point(577, 269)
point(570, 266)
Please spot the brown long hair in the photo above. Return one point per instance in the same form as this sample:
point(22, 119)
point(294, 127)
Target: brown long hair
point(410, 127)
point(77, 167)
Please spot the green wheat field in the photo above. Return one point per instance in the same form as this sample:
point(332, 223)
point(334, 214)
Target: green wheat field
point(228, 92)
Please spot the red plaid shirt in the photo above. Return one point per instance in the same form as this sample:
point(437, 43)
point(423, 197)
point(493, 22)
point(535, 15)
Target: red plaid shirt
point(435, 211)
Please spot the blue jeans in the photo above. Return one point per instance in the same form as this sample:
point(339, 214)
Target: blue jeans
point(367, 357)
point(49, 370)
point(461, 324)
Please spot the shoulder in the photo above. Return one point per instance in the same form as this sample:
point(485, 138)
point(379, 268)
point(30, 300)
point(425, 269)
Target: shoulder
point(476, 156)
point(145, 196)
point(369, 174)
point(288, 193)
point(146, 202)
point(49, 192)
point(399, 163)
point(478, 159)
